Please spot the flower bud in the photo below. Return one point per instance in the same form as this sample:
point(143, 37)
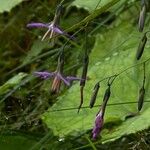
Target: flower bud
point(94, 95)
point(141, 47)
point(141, 98)
point(142, 18)
point(107, 94)
point(98, 125)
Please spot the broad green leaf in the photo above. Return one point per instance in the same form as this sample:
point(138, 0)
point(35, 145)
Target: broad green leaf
point(133, 125)
point(114, 51)
point(6, 87)
point(91, 5)
point(7, 5)
point(88, 4)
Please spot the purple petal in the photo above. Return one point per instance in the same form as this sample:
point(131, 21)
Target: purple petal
point(37, 25)
point(98, 125)
point(57, 30)
point(71, 78)
point(44, 74)
point(63, 79)
point(60, 31)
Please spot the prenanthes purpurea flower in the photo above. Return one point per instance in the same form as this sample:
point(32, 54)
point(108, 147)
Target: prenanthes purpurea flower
point(57, 76)
point(98, 125)
point(53, 28)
point(100, 116)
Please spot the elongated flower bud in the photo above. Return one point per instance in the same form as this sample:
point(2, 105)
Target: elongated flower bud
point(142, 18)
point(98, 125)
point(141, 98)
point(100, 116)
point(94, 95)
point(107, 94)
point(105, 99)
point(141, 47)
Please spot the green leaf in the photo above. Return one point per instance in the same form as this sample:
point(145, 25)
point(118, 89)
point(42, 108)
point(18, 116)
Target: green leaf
point(91, 5)
point(133, 125)
point(7, 5)
point(114, 51)
point(6, 87)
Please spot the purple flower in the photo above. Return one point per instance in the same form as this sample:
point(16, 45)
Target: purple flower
point(58, 78)
point(44, 74)
point(53, 29)
point(98, 125)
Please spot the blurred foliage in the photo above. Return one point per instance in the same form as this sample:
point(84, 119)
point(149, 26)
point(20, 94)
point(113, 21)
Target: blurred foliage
point(11, 83)
point(25, 99)
point(8, 5)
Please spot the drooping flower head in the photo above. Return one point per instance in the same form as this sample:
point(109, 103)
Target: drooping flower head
point(98, 125)
point(57, 79)
point(57, 76)
point(53, 28)
point(100, 116)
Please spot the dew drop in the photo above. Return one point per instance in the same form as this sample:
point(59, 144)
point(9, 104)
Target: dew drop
point(39, 37)
point(61, 139)
point(108, 58)
point(115, 54)
point(98, 63)
point(147, 46)
point(6, 117)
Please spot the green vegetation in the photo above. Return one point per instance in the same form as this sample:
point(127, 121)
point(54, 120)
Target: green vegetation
point(31, 116)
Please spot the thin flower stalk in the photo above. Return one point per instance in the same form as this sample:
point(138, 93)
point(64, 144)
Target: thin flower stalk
point(84, 71)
